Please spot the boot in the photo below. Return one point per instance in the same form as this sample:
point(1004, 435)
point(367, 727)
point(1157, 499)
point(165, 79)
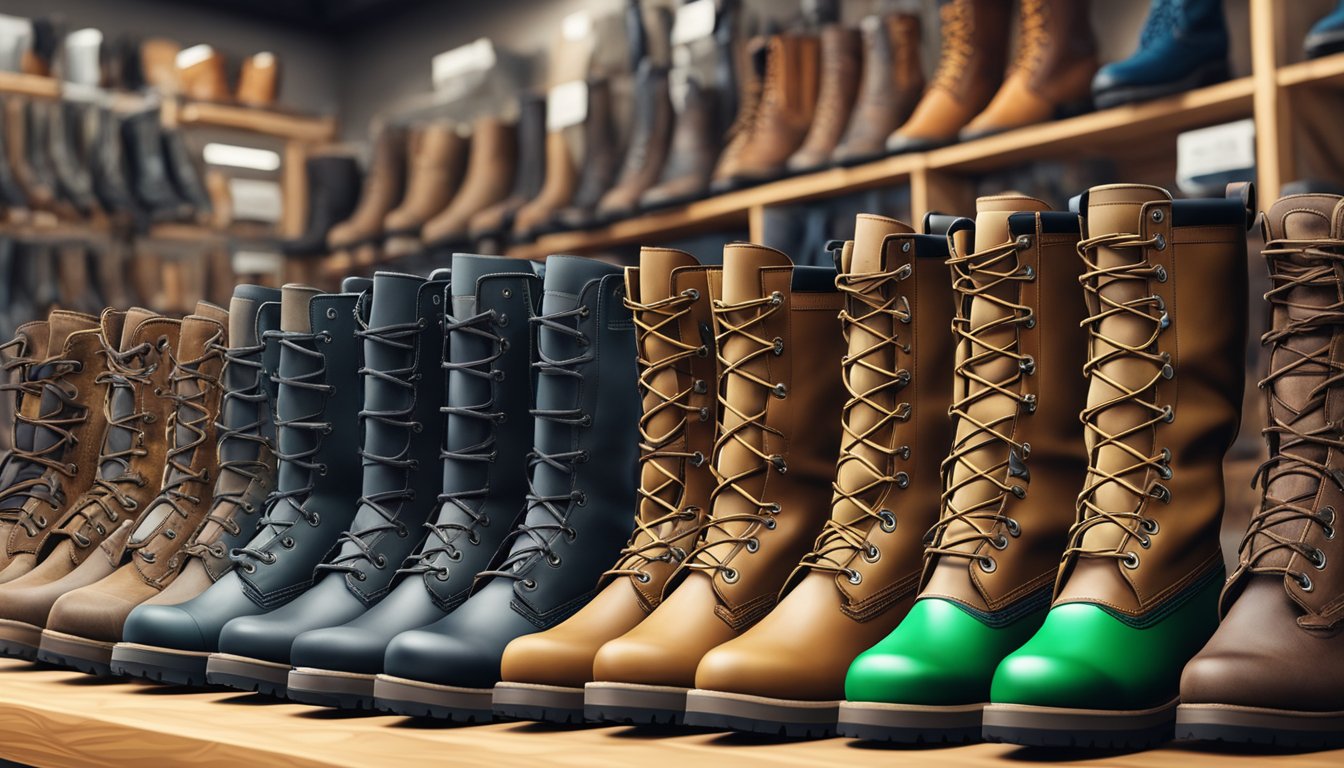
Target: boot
point(247, 473)
point(562, 177)
point(112, 178)
point(544, 674)
point(840, 74)
point(403, 347)
point(333, 193)
point(12, 194)
point(384, 185)
point(970, 69)
point(438, 158)
point(990, 559)
point(86, 622)
point(1141, 575)
point(1272, 672)
point(158, 62)
point(26, 139)
point(74, 280)
point(1183, 45)
point(490, 170)
point(67, 146)
point(186, 173)
point(202, 74)
point(529, 173)
point(771, 500)
point(153, 186)
point(1051, 77)
point(649, 144)
point(862, 573)
point(601, 160)
point(751, 87)
point(581, 489)
point(488, 434)
point(259, 80)
point(690, 158)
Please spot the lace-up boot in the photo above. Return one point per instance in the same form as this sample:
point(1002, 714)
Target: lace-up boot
point(129, 470)
point(1183, 45)
point(86, 622)
point(990, 557)
point(576, 520)
point(669, 295)
point(860, 577)
point(1137, 590)
point(247, 472)
point(487, 435)
point(891, 85)
point(780, 349)
point(838, 88)
point(1274, 671)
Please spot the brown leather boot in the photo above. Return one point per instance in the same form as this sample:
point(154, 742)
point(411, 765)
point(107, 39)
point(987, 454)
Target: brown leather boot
point(1052, 75)
point(861, 576)
point(1274, 670)
point(893, 81)
point(601, 161)
point(779, 397)
point(649, 144)
point(690, 159)
point(259, 81)
point(970, 69)
point(85, 622)
point(840, 75)
point(202, 74)
point(544, 674)
point(158, 63)
point(562, 178)
point(489, 176)
point(384, 185)
point(1141, 576)
point(437, 157)
point(529, 174)
point(751, 86)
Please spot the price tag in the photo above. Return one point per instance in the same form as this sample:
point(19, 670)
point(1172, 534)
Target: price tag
point(1206, 153)
point(256, 200)
point(566, 105)
point(461, 61)
point(257, 262)
point(695, 21)
point(577, 26)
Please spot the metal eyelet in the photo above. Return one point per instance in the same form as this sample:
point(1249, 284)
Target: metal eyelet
point(361, 576)
point(1030, 402)
point(316, 521)
point(988, 564)
point(455, 555)
point(854, 576)
point(1030, 320)
point(780, 390)
point(1149, 526)
point(730, 575)
point(380, 562)
point(778, 346)
point(1327, 515)
point(1304, 582)
point(700, 387)
point(503, 320)
point(886, 520)
point(1130, 560)
point(1160, 272)
point(643, 578)
point(1317, 559)
point(1023, 242)
point(703, 351)
point(507, 293)
point(553, 560)
point(322, 470)
point(776, 298)
point(1027, 365)
point(441, 574)
point(287, 542)
point(1157, 216)
point(905, 246)
point(1014, 527)
point(902, 480)
point(872, 554)
point(1160, 243)
point(581, 499)
point(528, 584)
point(704, 414)
point(331, 313)
point(1169, 414)
point(170, 534)
point(1018, 491)
point(903, 452)
point(779, 463)
point(753, 544)
point(999, 542)
point(697, 459)
point(1029, 272)
point(249, 568)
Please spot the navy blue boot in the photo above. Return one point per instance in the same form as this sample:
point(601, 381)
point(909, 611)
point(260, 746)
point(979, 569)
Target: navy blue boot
point(1327, 35)
point(1183, 46)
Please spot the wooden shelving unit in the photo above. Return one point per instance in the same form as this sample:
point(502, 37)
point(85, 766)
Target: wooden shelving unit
point(33, 86)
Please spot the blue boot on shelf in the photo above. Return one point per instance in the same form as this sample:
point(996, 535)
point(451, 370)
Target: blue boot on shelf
point(1327, 35)
point(1183, 46)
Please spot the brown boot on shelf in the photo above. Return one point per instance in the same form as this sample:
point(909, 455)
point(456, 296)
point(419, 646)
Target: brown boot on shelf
point(601, 160)
point(562, 177)
point(840, 75)
point(893, 81)
point(259, 81)
point(751, 85)
point(529, 173)
point(1052, 75)
point(970, 69)
point(384, 185)
point(649, 144)
point(489, 174)
point(690, 159)
point(158, 63)
point(202, 73)
point(437, 158)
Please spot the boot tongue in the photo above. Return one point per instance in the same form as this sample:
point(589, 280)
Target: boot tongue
point(294, 301)
point(243, 309)
point(199, 329)
point(991, 217)
point(565, 279)
point(869, 234)
point(742, 265)
point(468, 269)
point(61, 324)
point(655, 272)
point(135, 316)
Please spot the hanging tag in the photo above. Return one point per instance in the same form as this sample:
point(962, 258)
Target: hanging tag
point(255, 200)
point(566, 105)
point(255, 262)
point(449, 66)
point(694, 21)
point(1208, 158)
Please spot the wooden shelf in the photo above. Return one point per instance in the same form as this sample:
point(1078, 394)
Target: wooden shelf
point(1325, 71)
point(30, 85)
point(260, 121)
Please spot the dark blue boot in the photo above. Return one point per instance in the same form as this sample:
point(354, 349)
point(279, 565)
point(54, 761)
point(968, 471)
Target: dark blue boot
point(1327, 35)
point(1183, 46)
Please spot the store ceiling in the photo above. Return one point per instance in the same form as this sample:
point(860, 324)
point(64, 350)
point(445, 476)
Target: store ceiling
point(320, 15)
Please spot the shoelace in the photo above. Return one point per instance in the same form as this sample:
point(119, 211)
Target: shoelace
point(658, 503)
point(443, 536)
point(295, 343)
point(68, 414)
point(1149, 309)
point(881, 310)
point(1033, 34)
point(1285, 436)
point(1164, 17)
point(957, 49)
point(402, 338)
point(748, 434)
point(555, 506)
point(992, 268)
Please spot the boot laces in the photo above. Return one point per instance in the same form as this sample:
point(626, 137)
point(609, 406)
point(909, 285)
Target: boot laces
point(1034, 35)
point(957, 28)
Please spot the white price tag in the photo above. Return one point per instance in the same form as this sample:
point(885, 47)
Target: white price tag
point(566, 105)
point(463, 60)
point(257, 262)
point(695, 21)
point(1218, 149)
point(577, 26)
point(256, 200)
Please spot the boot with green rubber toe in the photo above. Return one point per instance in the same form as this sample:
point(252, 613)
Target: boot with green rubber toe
point(1137, 591)
point(990, 560)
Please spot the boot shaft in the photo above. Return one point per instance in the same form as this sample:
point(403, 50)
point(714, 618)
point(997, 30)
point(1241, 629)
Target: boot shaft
point(1054, 39)
point(974, 48)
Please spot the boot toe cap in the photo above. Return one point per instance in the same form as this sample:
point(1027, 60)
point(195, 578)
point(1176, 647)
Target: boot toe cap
point(549, 659)
point(345, 649)
point(257, 638)
point(442, 659)
point(1051, 681)
point(745, 668)
point(907, 679)
point(168, 626)
point(94, 615)
point(636, 660)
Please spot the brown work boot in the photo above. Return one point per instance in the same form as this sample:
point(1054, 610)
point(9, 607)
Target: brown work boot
point(437, 160)
point(649, 144)
point(529, 172)
point(562, 178)
point(787, 673)
point(1142, 572)
point(544, 674)
point(488, 179)
point(690, 158)
point(840, 75)
point(970, 69)
point(85, 622)
point(1274, 670)
point(1052, 75)
point(202, 73)
point(780, 394)
point(383, 187)
point(893, 81)
point(259, 80)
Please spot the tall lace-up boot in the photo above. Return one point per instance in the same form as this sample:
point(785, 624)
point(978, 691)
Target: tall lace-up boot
point(576, 520)
point(544, 674)
point(891, 85)
point(836, 93)
point(487, 431)
point(1273, 673)
point(131, 463)
point(861, 575)
point(1137, 591)
point(86, 622)
point(990, 558)
point(780, 350)
point(247, 469)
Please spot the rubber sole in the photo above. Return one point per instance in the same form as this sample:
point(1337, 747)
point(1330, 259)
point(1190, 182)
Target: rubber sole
point(1089, 728)
point(19, 640)
point(910, 723)
point(247, 674)
point(413, 698)
point(330, 688)
point(92, 657)
point(1257, 725)
point(161, 665)
point(760, 714)
point(1115, 97)
point(546, 703)
point(634, 704)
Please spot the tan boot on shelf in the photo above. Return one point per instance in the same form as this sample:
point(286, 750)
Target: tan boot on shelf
point(437, 159)
point(384, 185)
point(203, 74)
point(562, 179)
point(893, 82)
point(751, 83)
point(259, 82)
point(158, 63)
point(488, 179)
point(841, 68)
point(529, 175)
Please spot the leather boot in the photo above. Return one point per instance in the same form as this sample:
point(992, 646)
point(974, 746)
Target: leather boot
point(12, 194)
point(601, 161)
point(490, 171)
point(153, 184)
point(384, 185)
point(131, 457)
point(187, 173)
point(75, 280)
point(970, 69)
point(247, 475)
point(202, 74)
point(403, 348)
point(1272, 673)
point(649, 144)
point(562, 177)
point(544, 674)
point(581, 490)
point(751, 87)
point(438, 159)
point(990, 559)
point(771, 500)
point(487, 437)
point(86, 622)
point(861, 575)
point(26, 153)
point(158, 62)
point(259, 80)
point(691, 156)
point(1141, 575)
point(1052, 75)
point(839, 87)
point(333, 193)
point(112, 174)
point(67, 146)
point(529, 174)
point(1183, 45)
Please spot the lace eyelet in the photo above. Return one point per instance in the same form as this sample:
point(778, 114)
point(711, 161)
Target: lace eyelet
point(1317, 559)
point(528, 585)
point(872, 554)
point(581, 499)
point(854, 576)
point(1327, 515)
point(249, 568)
point(170, 534)
point(455, 555)
point(778, 346)
point(1018, 491)
point(988, 564)
point(697, 459)
point(360, 576)
point(441, 574)
point(380, 562)
point(1304, 582)
point(553, 560)
point(316, 520)
point(322, 470)
point(886, 520)
point(1149, 526)
point(1027, 365)
point(902, 480)
point(776, 298)
point(287, 542)
point(703, 351)
point(507, 293)
point(1160, 243)
point(999, 542)
point(331, 313)
point(1130, 560)
point(780, 391)
point(730, 575)
point(753, 544)
point(1014, 527)
point(643, 578)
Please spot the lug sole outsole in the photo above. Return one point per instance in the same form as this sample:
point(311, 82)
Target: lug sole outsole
point(160, 665)
point(1033, 726)
point(632, 704)
point(542, 703)
point(1261, 726)
point(412, 698)
point(331, 688)
point(789, 718)
point(910, 723)
point(19, 639)
point(92, 657)
point(245, 674)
